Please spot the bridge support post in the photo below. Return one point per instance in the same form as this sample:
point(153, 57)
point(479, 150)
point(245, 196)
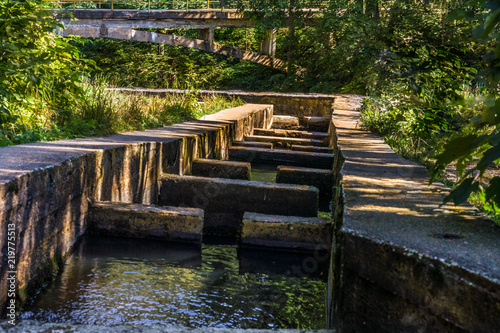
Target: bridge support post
point(268, 45)
point(207, 35)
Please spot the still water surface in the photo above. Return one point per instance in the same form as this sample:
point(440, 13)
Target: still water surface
point(114, 281)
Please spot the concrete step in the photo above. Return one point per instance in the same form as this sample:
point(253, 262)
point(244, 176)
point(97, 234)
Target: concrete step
point(143, 221)
point(291, 133)
point(268, 145)
point(321, 178)
point(285, 142)
point(313, 149)
point(285, 122)
point(286, 232)
point(281, 157)
point(221, 169)
point(225, 200)
point(320, 124)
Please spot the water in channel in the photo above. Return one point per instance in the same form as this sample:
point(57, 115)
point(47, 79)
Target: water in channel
point(115, 281)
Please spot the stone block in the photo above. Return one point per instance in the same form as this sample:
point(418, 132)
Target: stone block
point(281, 157)
point(286, 232)
point(290, 122)
point(285, 142)
point(225, 200)
point(221, 169)
point(268, 145)
point(319, 124)
point(142, 221)
point(291, 133)
point(313, 149)
point(321, 178)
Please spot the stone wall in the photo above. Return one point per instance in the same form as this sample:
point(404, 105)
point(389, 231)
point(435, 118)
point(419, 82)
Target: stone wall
point(296, 104)
point(45, 187)
point(401, 261)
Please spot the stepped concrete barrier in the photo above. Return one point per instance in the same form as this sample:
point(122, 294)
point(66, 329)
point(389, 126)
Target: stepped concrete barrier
point(320, 178)
point(287, 232)
point(221, 169)
point(312, 149)
point(402, 261)
point(45, 187)
point(178, 224)
point(285, 122)
point(226, 200)
point(281, 157)
point(290, 133)
point(284, 141)
point(320, 124)
point(268, 145)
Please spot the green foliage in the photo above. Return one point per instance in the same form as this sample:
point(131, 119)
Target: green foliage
point(480, 149)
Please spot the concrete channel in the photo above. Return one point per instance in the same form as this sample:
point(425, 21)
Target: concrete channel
point(388, 268)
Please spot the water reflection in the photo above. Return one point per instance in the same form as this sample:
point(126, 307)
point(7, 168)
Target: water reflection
point(113, 281)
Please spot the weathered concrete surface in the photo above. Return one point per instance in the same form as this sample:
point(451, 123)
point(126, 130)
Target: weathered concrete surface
point(291, 133)
point(158, 19)
point(45, 187)
point(312, 149)
point(401, 261)
point(181, 224)
point(285, 142)
point(32, 326)
point(221, 169)
point(225, 200)
point(320, 178)
point(281, 157)
point(268, 145)
point(285, 122)
point(316, 123)
point(286, 232)
point(297, 104)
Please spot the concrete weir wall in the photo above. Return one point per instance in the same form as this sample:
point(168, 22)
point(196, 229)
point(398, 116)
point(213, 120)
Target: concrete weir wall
point(295, 104)
point(45, 188)
point(401, 262)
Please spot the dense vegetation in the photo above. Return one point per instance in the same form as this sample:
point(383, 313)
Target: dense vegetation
point(428, 67)
point(46, 93)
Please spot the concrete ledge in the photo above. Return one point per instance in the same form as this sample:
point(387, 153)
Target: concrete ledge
point(320, 178)
point(285, 122)
point(267, 145)
point(313, 149)
point(319, 124)
point(221, 169)
point(286, 232)
point(230, 198)
point(401, 260)
point(281, 157)
point(290, 133)
point(180, 224)
point(285, 142)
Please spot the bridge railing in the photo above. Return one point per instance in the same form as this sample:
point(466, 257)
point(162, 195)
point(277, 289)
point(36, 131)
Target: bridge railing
point(160, 4)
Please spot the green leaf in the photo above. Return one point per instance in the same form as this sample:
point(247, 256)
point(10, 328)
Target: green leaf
point(462, 192)
point(489, 156)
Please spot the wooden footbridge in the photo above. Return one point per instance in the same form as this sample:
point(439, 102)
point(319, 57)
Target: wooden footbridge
point(129, 20)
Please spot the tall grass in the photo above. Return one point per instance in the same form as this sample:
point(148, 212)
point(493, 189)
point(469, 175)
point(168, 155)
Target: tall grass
point(100, 111)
